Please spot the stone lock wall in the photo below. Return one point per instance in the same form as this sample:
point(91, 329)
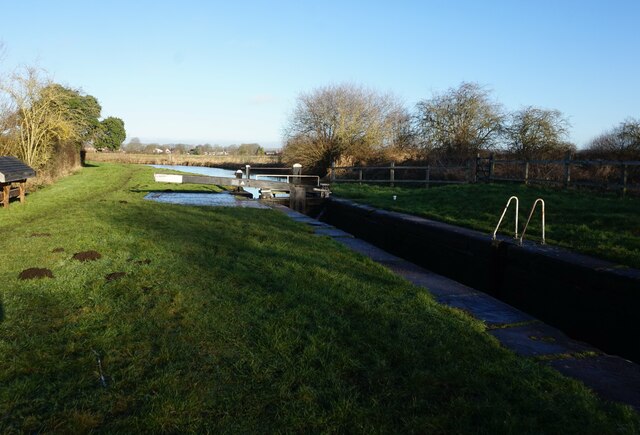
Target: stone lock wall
point(589, 299)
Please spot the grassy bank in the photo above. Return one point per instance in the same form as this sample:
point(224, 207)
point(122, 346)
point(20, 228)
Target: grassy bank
point(605, 226)
point(180, 159)
point(241, 320)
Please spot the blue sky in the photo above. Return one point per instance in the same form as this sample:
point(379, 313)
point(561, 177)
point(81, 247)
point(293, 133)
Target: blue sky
point(229, 72)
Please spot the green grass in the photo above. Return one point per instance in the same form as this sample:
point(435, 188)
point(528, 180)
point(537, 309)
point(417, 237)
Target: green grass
point(605, 226)
point(242, 321)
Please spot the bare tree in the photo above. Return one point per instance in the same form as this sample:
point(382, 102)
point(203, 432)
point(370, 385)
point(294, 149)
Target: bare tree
point(340, 121)
point(534, 132)
point(621, 142)
point(39, 120)
point(459, 122)
point(5, 115)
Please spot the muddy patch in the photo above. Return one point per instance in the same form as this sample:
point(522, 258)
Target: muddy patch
point(35, 273)
point(115, 276)
point(87, 256)
point(57, 250)
point(40, 235)
point(122, 201)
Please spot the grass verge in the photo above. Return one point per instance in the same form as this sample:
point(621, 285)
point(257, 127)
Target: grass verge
point(605, 226)
point(241, 320)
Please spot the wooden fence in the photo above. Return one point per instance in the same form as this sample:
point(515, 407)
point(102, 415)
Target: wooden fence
point(622, 176)
point(393, 174)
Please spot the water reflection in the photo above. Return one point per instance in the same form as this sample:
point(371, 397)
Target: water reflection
point(203, 199)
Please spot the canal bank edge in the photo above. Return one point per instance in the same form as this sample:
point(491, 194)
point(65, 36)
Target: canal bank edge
point(589, 299)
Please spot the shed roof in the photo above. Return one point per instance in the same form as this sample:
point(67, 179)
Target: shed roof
point(12, 169)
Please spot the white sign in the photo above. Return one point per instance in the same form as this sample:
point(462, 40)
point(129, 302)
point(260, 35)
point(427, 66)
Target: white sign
point(166, 178)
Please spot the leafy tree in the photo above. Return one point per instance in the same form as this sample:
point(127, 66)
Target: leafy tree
point(534, 132)
point(112, 133)
point(40, 118)
point(200, 150)
point(459, 122)
point(250, 149)
point(622, 142)
point(84, 111)
point(339, 121)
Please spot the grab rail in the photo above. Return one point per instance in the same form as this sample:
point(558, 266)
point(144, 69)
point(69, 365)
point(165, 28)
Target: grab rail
point(515, 235)
point(541, 201)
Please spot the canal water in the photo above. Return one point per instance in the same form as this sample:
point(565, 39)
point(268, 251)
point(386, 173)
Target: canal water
point(207, 199)
point(204, 199)
point(212, 172)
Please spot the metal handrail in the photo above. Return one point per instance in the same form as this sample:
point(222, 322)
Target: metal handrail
point(258, 176)
point(515, 235)
point(541, 201)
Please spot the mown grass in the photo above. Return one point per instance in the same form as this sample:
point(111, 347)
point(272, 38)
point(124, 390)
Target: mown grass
point(603, 225)
point(241, 320)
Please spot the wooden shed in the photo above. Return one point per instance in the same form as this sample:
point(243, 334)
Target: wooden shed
point(13, 171)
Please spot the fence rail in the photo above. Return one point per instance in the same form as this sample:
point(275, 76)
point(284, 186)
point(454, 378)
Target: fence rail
point(622, 176)
point(392, 174)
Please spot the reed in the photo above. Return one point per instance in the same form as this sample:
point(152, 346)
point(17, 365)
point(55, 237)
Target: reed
point(181, 159)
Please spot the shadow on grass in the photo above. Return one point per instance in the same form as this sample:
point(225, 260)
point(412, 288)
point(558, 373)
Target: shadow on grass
point(245, 314)
point(37, 338)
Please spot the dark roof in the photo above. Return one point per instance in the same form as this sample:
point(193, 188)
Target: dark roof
point(12, 169)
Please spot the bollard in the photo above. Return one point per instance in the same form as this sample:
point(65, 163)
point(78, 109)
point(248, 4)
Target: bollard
point(297, 170)
point(239, 176)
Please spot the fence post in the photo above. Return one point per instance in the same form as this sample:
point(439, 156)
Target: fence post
point(332, 172)
point(491, 167)
point(625, 176)
point(360, 176)
point(427, 176)
point(468, 175)
point(478, 162)
point(567, 170)
point(23, 189)
point(392, 174)
point(526, 172)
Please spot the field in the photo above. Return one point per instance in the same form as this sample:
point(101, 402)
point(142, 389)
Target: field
point(233, 162)
point(239, 320)
point(605, 226)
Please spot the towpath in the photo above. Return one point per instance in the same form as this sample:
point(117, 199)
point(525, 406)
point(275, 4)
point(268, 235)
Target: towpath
point(611, 377)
